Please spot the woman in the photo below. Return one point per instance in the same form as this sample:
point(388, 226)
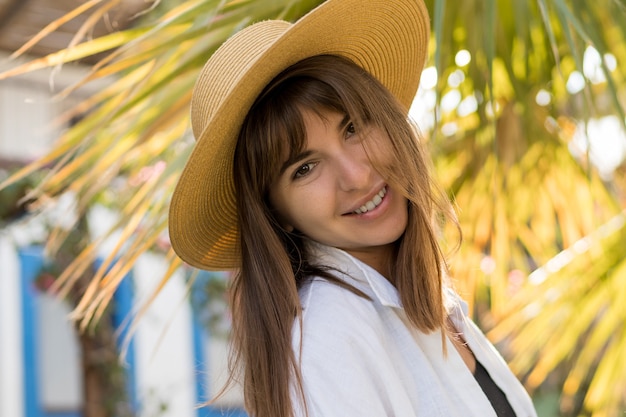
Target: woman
point(309, 181)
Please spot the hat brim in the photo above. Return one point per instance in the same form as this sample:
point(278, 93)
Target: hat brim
point(388, 38)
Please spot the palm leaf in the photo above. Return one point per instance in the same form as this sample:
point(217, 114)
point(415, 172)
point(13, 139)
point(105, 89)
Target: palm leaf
point(576, 299)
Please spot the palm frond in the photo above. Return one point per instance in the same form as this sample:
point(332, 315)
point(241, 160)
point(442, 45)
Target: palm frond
point(135, 123)
point(571, 312)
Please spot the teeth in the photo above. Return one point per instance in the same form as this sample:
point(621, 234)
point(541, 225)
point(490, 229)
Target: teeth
point(373, 203)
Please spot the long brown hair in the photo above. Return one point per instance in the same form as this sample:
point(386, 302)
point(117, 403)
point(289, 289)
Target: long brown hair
point(274, 262)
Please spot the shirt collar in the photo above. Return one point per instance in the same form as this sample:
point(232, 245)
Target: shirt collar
point(356, 273)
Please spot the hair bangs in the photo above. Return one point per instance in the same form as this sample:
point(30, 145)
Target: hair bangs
point(277, 115)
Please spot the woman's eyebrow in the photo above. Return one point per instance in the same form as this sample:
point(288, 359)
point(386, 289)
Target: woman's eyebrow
point(294, 159)
point(343, 122)
point(306, 153)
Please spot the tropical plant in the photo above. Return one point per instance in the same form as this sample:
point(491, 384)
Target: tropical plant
point(515, 81)
point(507, 108)
point(136, 128)
point(572, 313)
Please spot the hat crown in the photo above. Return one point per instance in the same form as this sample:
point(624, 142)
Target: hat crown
point(228, 65)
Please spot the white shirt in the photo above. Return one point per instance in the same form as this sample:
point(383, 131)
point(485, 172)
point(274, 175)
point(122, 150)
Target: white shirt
point(362, 357)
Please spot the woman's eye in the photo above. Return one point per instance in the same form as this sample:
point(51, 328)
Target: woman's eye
point(304, 170)
point(350, 129)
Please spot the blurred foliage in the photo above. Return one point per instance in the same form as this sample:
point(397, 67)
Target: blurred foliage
point(209, 301)
point(13, 198)
point(573, 313)
point(524, 199)
point(126, 148)
point(506, 118)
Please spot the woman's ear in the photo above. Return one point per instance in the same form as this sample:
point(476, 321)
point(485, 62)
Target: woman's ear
point(282, 221)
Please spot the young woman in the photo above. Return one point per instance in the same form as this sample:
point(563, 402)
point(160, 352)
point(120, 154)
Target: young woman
point(308, 179)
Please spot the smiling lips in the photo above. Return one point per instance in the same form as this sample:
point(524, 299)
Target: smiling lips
point(373, 203)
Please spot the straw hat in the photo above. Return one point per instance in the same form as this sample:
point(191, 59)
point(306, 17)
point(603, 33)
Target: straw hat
point(388, 38)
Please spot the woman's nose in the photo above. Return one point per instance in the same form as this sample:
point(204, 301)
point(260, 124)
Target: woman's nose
point(354, 171)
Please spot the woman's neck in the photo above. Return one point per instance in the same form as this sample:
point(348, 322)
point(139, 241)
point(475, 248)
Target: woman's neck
point(381, 258)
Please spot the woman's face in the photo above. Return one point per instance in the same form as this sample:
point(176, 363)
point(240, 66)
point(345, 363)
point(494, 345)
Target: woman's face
point(332, 194)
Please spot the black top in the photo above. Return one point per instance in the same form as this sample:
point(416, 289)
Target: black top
point(493, 392)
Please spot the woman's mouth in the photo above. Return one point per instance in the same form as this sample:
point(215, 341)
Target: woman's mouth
point(373, 203)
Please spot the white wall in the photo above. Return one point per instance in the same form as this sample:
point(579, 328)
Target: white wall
point(26, 116)
point(164, 353)
point(11, 358)
point(59, 357)
point(29, 107)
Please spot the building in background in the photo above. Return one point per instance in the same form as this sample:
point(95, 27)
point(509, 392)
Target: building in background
point(172, 364)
